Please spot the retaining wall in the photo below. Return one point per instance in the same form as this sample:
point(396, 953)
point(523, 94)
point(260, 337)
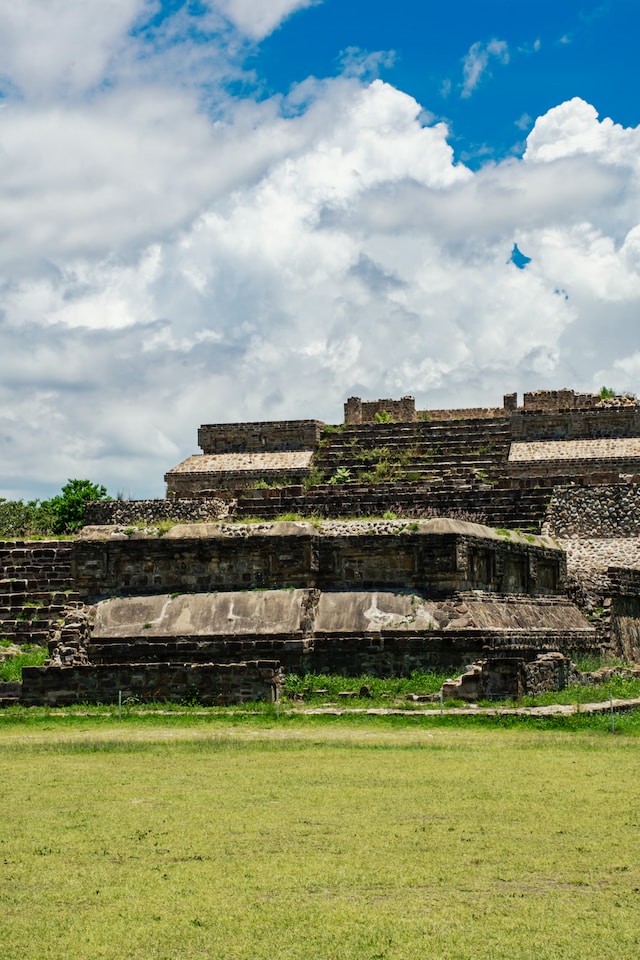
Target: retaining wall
point(131, 512)
point(211, 557)
point(611, 510)
point(209, 683)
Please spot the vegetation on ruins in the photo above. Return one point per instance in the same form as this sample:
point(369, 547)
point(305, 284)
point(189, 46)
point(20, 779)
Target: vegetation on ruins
point(60, 516)
point(247, 839)
point(383, 416)
point(29, 655)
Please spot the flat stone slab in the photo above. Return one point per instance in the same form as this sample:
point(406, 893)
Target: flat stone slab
point(599, 449)
point(368, 611)
point(278, 612)
point(202, 614)
point(239, 462)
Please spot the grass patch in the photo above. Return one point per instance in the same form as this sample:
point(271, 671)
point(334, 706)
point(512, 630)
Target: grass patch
point(31, 655)
point(314, 687)
point(300, 840)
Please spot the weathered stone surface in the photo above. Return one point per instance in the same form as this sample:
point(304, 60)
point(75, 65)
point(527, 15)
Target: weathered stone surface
point(600, 449)
point(203, 614)
point(206, 683)
point(435, 557)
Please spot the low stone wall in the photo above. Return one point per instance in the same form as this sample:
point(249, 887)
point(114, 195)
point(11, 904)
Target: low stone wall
point(397, 655)
point(553, 400)
point(259, 437)
point(606, 421)
point(607, 511)
point(464, 413)
point(133, 512)
point(364, 411)
point(208, 683)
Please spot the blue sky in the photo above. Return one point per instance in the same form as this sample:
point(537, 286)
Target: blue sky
point(252, 209)
point(555, 51)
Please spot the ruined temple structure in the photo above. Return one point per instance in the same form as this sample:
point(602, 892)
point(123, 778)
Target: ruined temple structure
point(507, 534)
point(498, 465)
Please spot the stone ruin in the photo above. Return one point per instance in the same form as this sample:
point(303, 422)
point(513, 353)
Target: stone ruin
point(507, 529)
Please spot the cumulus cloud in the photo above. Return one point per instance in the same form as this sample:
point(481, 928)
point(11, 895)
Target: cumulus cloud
point(477, 62)
point(171, 255)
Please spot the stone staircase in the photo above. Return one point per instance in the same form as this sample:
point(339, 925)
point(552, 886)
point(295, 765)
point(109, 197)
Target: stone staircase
point(493, 505)
point(451, 468)
point(35, 587)
point(450, 452)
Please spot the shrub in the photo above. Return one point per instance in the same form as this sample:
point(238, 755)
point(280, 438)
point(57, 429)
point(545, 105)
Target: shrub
point(342, 475)
point(68, 507)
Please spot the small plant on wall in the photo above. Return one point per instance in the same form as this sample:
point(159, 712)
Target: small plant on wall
point(342, 475)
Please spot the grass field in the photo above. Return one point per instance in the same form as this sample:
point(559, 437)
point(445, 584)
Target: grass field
point(238, 839)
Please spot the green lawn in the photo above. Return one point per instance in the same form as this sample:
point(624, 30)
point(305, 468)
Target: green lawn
point(316, 839)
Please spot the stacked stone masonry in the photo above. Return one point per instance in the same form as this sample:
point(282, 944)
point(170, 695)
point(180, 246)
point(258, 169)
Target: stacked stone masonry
point(36, 586)
point(382, 598)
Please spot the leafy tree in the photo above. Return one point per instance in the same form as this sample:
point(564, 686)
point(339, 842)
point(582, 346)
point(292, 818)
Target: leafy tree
point(68, 508)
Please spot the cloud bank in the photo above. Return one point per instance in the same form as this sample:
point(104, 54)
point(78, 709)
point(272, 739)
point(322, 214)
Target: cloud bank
point(172, 255)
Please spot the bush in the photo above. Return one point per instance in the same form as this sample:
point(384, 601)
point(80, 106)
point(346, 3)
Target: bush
point(68, 508)
point(60, 515)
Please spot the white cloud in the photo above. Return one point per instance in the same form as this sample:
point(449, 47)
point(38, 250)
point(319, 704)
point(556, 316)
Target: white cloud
point(477, 62)
point(53, 46)
point(170, 256)
point(258, 18)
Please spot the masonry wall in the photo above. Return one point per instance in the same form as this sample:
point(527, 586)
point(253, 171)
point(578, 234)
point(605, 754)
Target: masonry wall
point(464, 413)
point(364, 411)
point(35, 587)
point(131, 512)
point(542, 424)
point(266, 436)
point(385, 654)
point(595, 512)
point(209, 683)
point(301, 557)
point(625, 612)
point(553, 400)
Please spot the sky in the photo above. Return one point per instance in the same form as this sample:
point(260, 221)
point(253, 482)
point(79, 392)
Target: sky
point(228, 210)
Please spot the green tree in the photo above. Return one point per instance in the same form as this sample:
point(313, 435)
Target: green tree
point(68, 507)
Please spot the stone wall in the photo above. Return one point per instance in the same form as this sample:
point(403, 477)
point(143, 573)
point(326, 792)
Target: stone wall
point(384, 655)
point(35, 588)
point(221, 474)
point(438, 555)
point(128, 513)
point(553, 400)
point(602, 449)
point(259, 437)
point(625, 612)
point(464, 413)
point(364, 411)
point(574, 424)
point(609, 511)
point(207, 683)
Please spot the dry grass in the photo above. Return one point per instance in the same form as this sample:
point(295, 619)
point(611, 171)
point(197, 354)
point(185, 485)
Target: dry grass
point(244, 843)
